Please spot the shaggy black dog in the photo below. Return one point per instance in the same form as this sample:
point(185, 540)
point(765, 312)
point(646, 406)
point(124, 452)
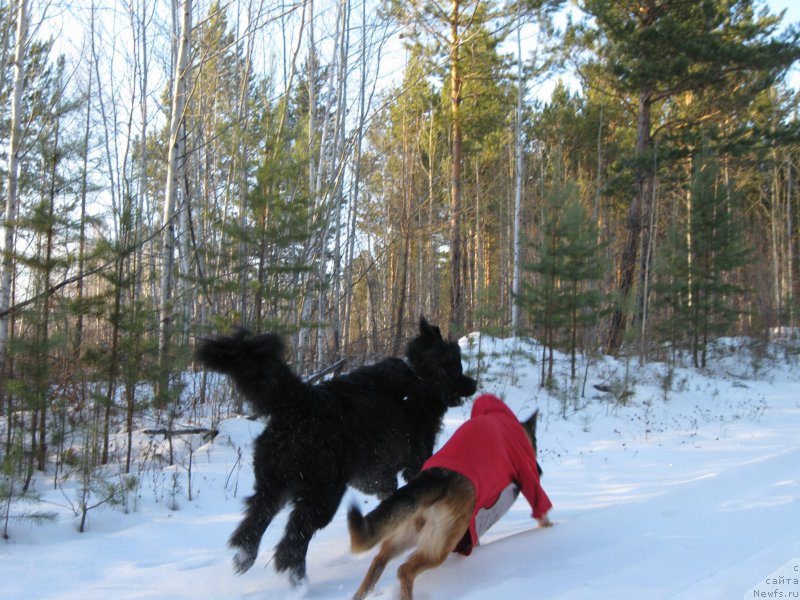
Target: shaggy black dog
point(359, 429)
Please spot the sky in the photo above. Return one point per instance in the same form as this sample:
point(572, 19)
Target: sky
point(792, 8)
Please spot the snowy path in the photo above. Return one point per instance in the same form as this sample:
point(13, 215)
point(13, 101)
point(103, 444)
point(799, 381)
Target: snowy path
point(671, 506)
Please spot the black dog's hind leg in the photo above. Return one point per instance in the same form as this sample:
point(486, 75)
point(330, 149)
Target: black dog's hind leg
point(261, 509)
point(311, 512)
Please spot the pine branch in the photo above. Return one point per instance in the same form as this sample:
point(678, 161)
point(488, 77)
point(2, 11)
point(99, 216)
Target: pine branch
point(54, 288)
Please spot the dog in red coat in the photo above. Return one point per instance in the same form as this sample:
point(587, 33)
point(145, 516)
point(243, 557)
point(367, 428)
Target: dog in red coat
point(460, 491)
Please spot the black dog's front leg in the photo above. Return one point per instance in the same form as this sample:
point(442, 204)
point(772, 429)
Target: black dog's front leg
point(261, 509)
point(311, 512)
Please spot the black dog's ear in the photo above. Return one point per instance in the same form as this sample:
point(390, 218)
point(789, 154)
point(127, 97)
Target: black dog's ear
point(432, 333)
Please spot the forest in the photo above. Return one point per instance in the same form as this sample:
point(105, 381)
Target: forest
point(602, 176)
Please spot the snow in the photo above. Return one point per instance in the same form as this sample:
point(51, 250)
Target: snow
point(688, 488)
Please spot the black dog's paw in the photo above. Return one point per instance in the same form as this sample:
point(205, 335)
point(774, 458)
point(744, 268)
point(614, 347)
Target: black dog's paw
point(243, 560)
point(298, 581)
point(294, 563)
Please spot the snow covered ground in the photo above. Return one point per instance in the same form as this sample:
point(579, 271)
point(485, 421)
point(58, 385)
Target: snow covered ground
point(689, 488)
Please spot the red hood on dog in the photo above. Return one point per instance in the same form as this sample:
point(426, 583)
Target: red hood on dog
point(492, 450)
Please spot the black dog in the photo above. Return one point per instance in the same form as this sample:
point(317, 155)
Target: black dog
point(359, 429)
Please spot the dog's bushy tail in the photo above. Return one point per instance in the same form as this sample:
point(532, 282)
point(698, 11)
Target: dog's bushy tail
point(255, 364)
point(399, 509)
point(362, 536)
point(367, 531)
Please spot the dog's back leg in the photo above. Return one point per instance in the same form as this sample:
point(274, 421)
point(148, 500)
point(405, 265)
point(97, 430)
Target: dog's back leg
point(261, 509)
point(445, 524)
point(391, 547)
point(313, 510)
point(424, 559)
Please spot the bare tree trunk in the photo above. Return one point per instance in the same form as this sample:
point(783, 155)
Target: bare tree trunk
point(243, 119)
point(182, 300)
point(776, 243)
point(518, 155)
point(341, 150)
point(432, 299)
point(479, 277)
point(649, 218)
point(356, 183)
point(15, 139)
point(41, 450)
point(307, 307)
point(326, 180)
point(78, 340)
point(320, 172)
point(401, 283)
point(789, 245)
point(175, 160)
point(638, 217)
point(457, 307)
point(143, 154)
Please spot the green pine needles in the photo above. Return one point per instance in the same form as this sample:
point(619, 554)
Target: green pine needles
point(565, 299)
point(695, 285)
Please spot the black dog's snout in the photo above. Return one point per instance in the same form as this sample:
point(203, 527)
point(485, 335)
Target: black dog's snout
point(468, 386)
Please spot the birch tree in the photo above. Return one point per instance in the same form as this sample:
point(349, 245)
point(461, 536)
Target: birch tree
point(176, 159)
point(9, 218)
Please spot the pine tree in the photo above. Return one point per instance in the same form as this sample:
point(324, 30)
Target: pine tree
point(649, 52)
point(698, 289)
point(452, 30)
point(671, 287)
point(565, 300)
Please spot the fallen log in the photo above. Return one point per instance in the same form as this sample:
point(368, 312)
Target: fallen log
point(208, 434)
point(334, 368)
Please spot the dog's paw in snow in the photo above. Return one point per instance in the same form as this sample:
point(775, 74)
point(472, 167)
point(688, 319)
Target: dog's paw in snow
point(243, 560)
point(300, 587)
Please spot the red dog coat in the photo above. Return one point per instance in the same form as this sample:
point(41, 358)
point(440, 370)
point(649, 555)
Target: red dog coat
point(492, 451)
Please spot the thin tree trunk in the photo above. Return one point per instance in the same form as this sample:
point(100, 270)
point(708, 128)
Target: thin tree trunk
point(243, 115)
point(789, 245)
point(113, 359)
point(638, 213)
point(324, 202)
point(175, 158)
point(356, 184)
point(143, 154)
point(44, 374)
point(401, 284)
point(78, 340)
point(776, 230)
point(432, 299)
point(344, 51)
point(648, 237)
point(457, 308)
point(306, 307)
point(518, 179)
point(15, 138)
point(478, 277)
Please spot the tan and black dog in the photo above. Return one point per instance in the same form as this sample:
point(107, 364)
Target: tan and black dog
point(461, 491)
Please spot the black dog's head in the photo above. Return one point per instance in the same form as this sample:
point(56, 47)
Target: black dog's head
point(438, 363)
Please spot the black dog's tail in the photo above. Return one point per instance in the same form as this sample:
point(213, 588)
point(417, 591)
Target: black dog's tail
point(255, 364)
